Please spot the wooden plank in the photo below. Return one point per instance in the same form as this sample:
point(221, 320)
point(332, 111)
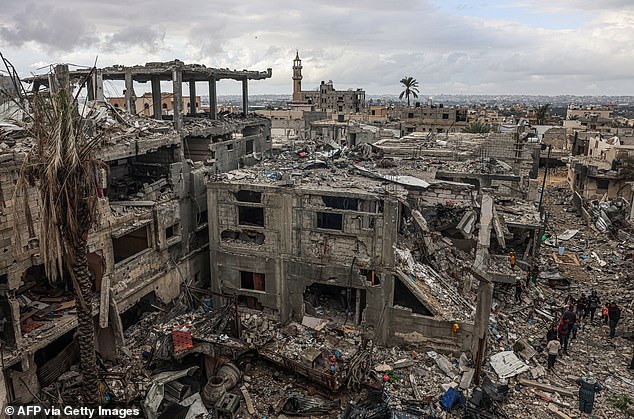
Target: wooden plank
point(132, 203)
point(247, 400)
point(546, 387)
point(549, 398)
point(553, 409)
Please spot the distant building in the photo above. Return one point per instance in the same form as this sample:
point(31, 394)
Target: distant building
point(430, 118)
point(326, 99)
point(143, 104)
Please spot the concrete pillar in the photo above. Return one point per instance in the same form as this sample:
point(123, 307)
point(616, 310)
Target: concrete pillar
point(156, 97)
point(130, 97)
point(213, 99)
point(90, 89)
point(245, 96)
point(36, 86)
point(192, 98)
point(214, 241)
point(177, 83)
point(390, 232)
point(99, 86)
point(485, 288)
point(357, 307)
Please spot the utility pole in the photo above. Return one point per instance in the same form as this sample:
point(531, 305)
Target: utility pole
point(541, 197)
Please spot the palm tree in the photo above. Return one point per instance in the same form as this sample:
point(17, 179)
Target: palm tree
point(411, 88)
point(62, 168)
point(541, 113)
point(477, 128)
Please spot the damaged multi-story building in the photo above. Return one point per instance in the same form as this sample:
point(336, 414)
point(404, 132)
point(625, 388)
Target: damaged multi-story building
point(326, 98)
point(285, 239)
point(151, 232)
point(430, 118)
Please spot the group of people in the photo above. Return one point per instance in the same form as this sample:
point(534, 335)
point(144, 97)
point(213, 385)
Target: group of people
point(559, 335)
point(610, 313)
point(575, 311)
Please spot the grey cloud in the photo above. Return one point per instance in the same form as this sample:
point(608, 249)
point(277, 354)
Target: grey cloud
point(58, 28)
point(136, 35)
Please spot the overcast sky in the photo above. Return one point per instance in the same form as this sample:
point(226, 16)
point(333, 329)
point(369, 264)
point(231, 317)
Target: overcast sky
point(450, 46)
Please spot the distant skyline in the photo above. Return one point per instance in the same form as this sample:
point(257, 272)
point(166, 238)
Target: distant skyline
point(539, 47)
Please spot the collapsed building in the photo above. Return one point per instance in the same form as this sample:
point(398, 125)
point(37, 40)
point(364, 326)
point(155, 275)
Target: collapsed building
point(214, 252)
point(151, 231)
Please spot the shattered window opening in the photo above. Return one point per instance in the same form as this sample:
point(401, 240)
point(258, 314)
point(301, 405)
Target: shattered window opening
point(244, 195)
point(343, 203)
point(251, 216)
point(330, 221)
point(252, 281)
point(172, 231)
point(131, 244)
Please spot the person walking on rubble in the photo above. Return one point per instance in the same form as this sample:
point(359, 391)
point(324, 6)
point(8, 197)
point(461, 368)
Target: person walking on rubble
point(512, 259)
point(518, 291)
point(535, 273)
point(614, 315)
point(588, 386)
point(552, 333)
point(552, 348)
point(563, 330)
point(604, 314)
point(582, 302)
point(593, 304)
point(571, 318)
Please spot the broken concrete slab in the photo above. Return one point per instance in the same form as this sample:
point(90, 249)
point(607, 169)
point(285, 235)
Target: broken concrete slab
point(467, 379)
point(506, 364)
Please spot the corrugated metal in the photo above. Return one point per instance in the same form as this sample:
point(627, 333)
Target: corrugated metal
point(48, 373)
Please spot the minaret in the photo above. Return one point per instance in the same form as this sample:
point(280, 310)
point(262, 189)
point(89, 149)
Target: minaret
point(297, 79)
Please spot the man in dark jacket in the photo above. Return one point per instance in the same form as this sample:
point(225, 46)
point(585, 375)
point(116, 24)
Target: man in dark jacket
point(582, 302)
point(563, 331)
point(614, 315)
point(588, 387)
point(518, 291)
point(571, 318)
point(593, 303)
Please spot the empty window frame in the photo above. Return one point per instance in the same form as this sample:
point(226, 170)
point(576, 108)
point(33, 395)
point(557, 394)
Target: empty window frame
point(251, 216)
point(343, 203)
point(252, 281)
point(244, 195)
point(131, 244)
point(329, 220)
point(172, 231)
